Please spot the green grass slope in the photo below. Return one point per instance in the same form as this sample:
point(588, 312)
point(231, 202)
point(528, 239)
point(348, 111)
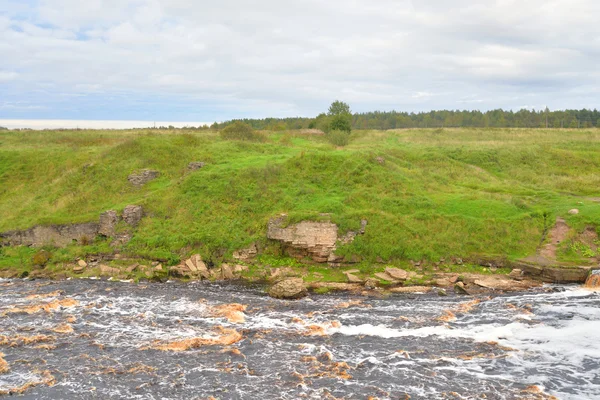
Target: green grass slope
point(439, 193)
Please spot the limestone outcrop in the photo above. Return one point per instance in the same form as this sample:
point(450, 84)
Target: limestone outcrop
point(195, 165)
point(64, 235)
point(555, 274)
point(246, 254)
point(108, 223)
point(308, 239)
point(132, 215)
point(143, 177)
point(51, 235)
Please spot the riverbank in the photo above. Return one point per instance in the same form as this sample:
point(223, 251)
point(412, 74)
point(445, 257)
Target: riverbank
point(434, 203)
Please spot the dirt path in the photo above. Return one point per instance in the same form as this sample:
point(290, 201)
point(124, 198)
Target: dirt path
point(557, 234)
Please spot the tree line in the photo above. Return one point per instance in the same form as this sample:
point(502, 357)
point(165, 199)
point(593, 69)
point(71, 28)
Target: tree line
point(437, 119)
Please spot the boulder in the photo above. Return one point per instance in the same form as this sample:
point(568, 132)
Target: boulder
point(574, 211)
point(290, 288)
point(143, 177)
point(460, 288)
point(78, 269)
point(565, 275)
point(516, 274)
point(105, 270)
point(227, 272)
point(443, 282)
point(371, 283)
point(353, 278)
point(132, 215)
point(132, 268)
point(397, 273)
point(108, 221)
point(191, 265)
point(504, 283)
point(180, 271)
point(195, 165)
point(82, 263)
point(384, 277)
point(201, 267)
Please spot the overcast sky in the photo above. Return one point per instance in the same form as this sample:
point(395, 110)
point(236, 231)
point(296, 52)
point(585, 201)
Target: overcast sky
point(186, 60)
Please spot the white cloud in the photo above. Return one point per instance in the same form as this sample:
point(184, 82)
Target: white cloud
point(6, 76)
point(286, 58)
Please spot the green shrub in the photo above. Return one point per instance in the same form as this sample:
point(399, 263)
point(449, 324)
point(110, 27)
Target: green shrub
point(241, 131)
point(342, 122)
point(40, 258)
point(338, 138)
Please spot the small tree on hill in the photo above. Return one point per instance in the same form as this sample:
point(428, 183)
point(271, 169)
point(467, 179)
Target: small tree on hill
point(340, 117)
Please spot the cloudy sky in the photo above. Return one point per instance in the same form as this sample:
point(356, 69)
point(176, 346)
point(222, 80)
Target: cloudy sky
point(187, 60)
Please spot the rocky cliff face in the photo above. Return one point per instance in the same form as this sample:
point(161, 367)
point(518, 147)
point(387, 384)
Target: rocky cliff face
point(64, 235)
point(56, 235)
point(307, 239)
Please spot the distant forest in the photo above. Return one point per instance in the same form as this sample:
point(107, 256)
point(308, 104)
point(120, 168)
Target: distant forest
point(441, 119)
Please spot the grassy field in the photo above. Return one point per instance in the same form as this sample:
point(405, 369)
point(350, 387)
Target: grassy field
point(439, 193)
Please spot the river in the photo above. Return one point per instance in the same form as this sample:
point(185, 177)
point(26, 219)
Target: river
point(93, 339)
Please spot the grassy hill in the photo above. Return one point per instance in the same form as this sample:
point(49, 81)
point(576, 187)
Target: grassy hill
point(427, 194)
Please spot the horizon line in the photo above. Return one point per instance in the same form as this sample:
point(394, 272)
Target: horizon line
point(93, 124)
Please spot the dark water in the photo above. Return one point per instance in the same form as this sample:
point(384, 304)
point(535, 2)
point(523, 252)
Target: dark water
point(360, 347)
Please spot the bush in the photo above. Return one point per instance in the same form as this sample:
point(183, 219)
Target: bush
point(41, 258)
point(241, 131)
point(338, 138)
point(341, 122)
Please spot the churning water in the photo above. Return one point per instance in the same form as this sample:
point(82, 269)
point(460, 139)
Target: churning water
point(119, 340)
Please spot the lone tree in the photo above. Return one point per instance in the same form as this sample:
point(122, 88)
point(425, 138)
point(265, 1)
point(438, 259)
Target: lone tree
point(340, 117)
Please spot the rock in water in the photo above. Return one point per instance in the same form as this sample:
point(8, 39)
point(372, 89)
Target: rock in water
point(459, 288)
point(593, 280)
point(291, 288)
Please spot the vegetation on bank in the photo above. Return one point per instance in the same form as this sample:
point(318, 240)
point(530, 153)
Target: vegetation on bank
point(426, 193)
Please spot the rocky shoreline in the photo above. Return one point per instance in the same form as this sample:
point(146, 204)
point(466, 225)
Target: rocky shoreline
point(290, 283)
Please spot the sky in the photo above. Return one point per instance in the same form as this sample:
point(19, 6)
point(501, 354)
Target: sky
point(198, 60)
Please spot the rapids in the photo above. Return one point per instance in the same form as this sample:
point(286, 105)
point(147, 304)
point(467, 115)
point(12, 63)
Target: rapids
point(121, 340)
